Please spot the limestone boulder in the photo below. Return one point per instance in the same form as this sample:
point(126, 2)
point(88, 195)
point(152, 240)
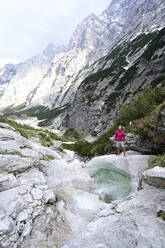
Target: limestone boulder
point(49, 196)
point(155, 177)
point(7, 181)
point(16, 163)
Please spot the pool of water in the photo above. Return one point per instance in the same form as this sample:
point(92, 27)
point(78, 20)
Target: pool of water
point(111, 183)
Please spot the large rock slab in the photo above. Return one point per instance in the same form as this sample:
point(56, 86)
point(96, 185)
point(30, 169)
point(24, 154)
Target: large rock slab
point(32, 177)
point(13, 143)
point(129, 223)
point(16, 163)
point(155, 177)
point(7, 181)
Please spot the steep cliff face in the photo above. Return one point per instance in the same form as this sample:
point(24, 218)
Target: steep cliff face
point(132, 65)
point(52, 79)
point(7, 73)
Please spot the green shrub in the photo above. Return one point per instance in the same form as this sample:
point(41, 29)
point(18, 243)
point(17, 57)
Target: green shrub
point(86, 149)
point(141, 107)
point(73, 134)
point(140, 184)
point(161, 213)
point(156, 161)
point(156, 43)
point(128, 76)
point(42, 134)
point(146, 128)
point(110, 102)
point(82, 148)
point(158, 80)
point(48, 157)
point(23, 133)
point(46, 137)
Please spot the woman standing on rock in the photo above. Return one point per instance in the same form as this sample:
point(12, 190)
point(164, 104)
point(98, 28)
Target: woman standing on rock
point(120, 140)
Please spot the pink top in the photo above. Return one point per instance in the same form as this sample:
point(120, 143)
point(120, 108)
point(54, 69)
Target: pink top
point(120, 135)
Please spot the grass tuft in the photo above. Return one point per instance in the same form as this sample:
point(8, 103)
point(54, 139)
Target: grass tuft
point(156, 161)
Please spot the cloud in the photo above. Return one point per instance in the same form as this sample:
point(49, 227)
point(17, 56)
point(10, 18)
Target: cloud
point(27, 26)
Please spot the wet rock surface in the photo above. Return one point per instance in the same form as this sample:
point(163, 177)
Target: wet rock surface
point(129, 223)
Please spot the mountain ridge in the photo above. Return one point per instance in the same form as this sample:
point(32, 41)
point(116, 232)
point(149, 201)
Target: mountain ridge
point(91, 40)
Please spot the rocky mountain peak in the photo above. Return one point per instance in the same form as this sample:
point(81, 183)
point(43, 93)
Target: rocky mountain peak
point(51, 50)
point(7, 73)
point(79, 38)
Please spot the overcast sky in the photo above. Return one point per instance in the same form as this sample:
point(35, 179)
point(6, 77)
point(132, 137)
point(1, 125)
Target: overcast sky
point(27, 26)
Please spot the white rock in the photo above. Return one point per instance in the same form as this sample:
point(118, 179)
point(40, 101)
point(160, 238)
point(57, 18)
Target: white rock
point(43, 187)
point(22, 216)
point(35, 203)
point(24, 189)
point(14, 237)
point(6, 225)
point(28, 198)
point(133, 224)
point(37, 194)
point(5, 242)
point(15, 163)
point(155, 176)
point(37, 212)
point(11, 201)
point(32, 177)
point(7, 181)
point(49, 196)
point(27, 229)
point(155, 172)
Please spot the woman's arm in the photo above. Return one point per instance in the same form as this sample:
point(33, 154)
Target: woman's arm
point(124, 137)
point(115, 137)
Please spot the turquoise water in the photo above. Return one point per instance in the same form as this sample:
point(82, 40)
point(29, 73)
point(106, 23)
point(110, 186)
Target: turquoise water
point(111, 183)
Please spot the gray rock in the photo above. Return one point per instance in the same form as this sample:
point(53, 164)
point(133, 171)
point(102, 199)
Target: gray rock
point(134, 224)
point(37, 194)
point(6, 225)
point(132, 143)
point(155, 177)
point(22, 216)
point(49, 196)
point(6, 126)
point(28, 198)
point(12, 202)
point(15, 163)
point(32, 177)
point(7, 181)
point(27, 229)
point(163, 116)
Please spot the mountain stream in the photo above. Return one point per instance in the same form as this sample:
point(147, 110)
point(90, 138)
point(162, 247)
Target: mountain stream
point(111, 182)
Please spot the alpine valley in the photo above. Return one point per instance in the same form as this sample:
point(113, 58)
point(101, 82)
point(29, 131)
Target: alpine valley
point(109, 61)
